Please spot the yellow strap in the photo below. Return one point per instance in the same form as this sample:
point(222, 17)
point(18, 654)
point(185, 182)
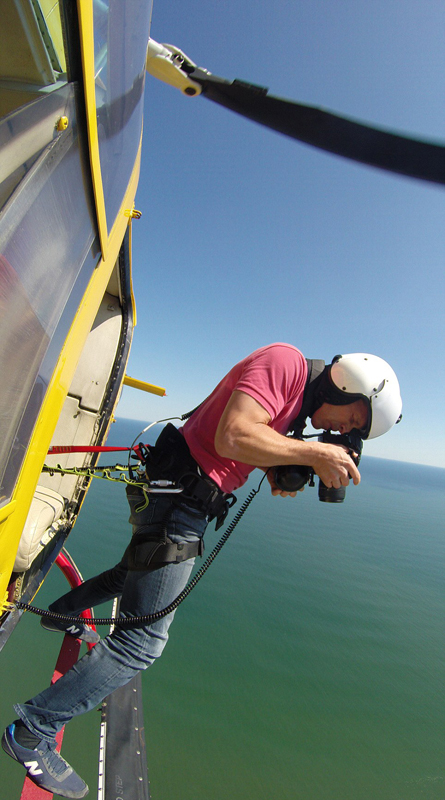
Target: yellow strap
point(90, 472)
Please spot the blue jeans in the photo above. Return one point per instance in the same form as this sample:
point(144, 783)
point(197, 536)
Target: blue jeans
point(115, 660)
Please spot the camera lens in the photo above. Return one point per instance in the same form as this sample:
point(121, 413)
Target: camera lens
point(291, 478)
point(331, 495)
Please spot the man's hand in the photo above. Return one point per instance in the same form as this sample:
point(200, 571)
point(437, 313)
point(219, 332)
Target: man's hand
point(334, 466)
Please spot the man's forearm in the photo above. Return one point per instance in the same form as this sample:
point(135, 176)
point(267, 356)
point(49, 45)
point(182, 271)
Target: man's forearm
point(244, 434)
point(259, 445)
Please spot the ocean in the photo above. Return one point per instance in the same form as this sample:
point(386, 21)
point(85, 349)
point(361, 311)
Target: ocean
point(308, 664)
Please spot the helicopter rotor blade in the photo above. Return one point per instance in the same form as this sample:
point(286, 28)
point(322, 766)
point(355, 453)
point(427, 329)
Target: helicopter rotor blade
point(327, 131)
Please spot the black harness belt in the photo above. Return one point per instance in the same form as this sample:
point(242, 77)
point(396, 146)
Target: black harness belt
point(170, 459)
point(148, 551)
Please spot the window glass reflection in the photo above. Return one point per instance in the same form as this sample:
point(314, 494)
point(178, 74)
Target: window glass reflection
point(121, 31)
point(47, 241)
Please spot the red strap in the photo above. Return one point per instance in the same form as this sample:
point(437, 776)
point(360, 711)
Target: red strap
point(81, 448)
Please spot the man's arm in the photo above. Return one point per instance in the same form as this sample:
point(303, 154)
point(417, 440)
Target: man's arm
point(243, 434)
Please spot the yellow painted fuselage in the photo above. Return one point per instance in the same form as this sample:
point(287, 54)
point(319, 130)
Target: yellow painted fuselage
point(71, 123)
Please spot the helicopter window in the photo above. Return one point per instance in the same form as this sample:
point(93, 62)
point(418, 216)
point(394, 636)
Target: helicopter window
point(32, 52)
point(121, 33)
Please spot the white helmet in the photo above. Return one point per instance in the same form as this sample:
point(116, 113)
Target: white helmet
point(371, 378)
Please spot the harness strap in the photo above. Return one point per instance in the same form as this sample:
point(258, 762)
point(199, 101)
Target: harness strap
point(145, 553)
point(315, 369)
point(171, 459)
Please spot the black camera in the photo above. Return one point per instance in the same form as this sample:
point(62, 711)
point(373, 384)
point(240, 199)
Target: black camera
point(294, 477)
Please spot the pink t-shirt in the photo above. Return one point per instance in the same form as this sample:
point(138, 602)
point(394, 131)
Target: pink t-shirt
point(275, 376)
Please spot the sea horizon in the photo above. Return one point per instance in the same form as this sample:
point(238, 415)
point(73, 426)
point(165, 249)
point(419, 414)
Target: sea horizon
point(174, 420)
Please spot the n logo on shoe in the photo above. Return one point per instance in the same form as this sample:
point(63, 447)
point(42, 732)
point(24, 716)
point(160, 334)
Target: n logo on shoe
point(33, 768)
point(73, 629)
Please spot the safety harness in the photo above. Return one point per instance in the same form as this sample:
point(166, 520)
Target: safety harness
point(150, 546)
point(170, 460)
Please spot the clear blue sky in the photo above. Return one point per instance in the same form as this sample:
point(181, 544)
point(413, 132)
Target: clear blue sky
point(248, 237)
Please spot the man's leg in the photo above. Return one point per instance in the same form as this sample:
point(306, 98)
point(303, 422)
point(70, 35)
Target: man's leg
point(90, 593)
point(118, 657)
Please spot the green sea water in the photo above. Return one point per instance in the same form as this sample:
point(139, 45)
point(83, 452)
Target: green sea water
point(308, 664)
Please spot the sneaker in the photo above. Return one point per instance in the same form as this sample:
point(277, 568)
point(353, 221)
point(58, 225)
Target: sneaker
point(45, 766)
point(76, 629)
